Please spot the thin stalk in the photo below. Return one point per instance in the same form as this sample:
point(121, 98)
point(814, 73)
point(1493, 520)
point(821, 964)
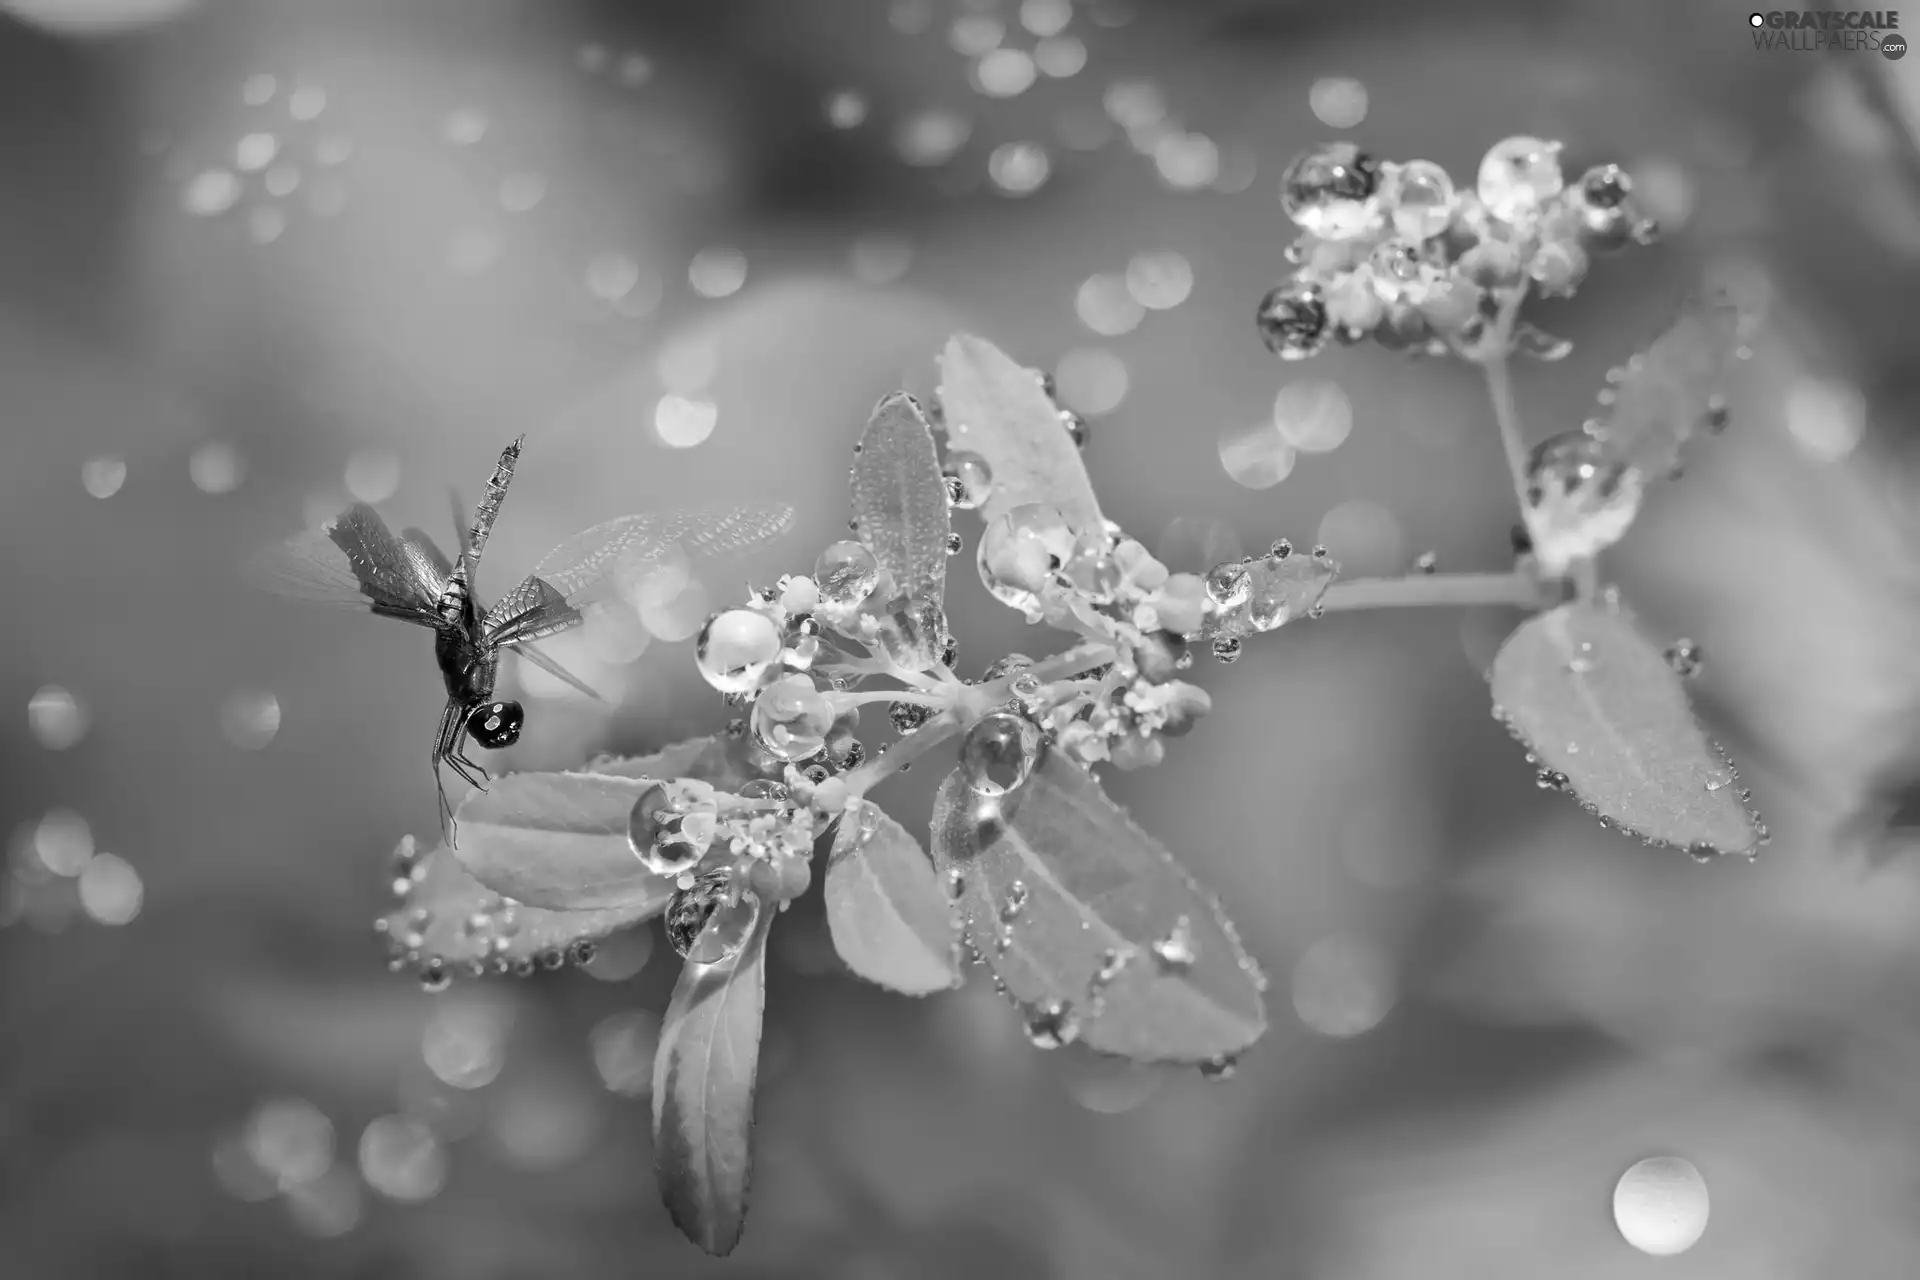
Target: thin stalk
point(1441, 590)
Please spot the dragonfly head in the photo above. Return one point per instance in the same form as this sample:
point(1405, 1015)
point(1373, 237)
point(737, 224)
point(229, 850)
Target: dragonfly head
point(496, 724)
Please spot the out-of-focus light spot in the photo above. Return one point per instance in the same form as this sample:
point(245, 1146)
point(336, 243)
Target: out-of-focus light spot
point(1083, 128)
point(255, 151)
point(1004, 73)
point(111, 891)
point(373, 475)
point(265, 224)
point(1340, 102)
point(621, 956)
point(103, 476)
point(465, 126)
point(682, 422)
point(464, 1044)
point(281, 181)
point(334, 148)
point(1060, 57)
point(257, 90)
point(1105, 306)
point(1314, 415)
point(238, 1174)
point(1194, 544)
point(402, 1159)
point(1239, 166)
point(1343, 986)
point(1364, 537)
point(1046, 17)
point(521, 191)
point(1255, 456)
point(717, 272)
point(1665, 190)
point(931, 137)
point(1827, 418)
point(210, 192)
point(327, 1207)
point(687, 364)
point(1091, 380)
point(56, 718)
point(1134, 104)
point(846, 109)
point(974, 35)
point(676, 615)
point(307, 102)
point(1661, 1206)
point(249, 719)
point(635, 70)
point(611, 275)
point(880, 258)
point(291, 1140)
point(1187, 161)
point(1104, 1084)
point(623, 1047)
point(63, 842)
point(614, 636)
point(215, 468)
point(472, 250)
point(910, 17)
point(591, 58)
point(1019, 168)
point(544, 1124)
point(1159, 281)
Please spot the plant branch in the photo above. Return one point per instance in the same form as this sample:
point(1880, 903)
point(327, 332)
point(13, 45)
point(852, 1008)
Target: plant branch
point(1506, 413)
point(902, 753)
point(1445, 590)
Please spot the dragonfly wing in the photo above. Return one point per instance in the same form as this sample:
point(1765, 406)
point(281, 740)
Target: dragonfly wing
point(526, 650)
point(355, 559)
point(531, 611)
point(592, 563)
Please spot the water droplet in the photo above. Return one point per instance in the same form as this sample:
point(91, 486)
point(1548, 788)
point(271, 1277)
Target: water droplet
point(1293, 320)
point(1552, 780)
point(1229, 585)
point(1226, 648)
point(1419, 197)
point(735, 648)
point(1015, 903)
point(1053, 1026)
point(969, 480)
point(1702, 852)
point(999, 753)
point(658, 836)
point(711, 921)
point(57, 719)
point(1518, 176)
point(1661, 1206)
point(1579, 500)
point(1331, 191)
point(1019, 168)
point(1021, 553)
point(846, 573)
point(1220, 1067)
point(1177, 951)
point(791, 718)
point(1686, 658)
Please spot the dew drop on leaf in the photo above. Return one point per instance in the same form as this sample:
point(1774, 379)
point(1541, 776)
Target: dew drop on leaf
point(1052, 1025)
point(1580, 499)
point(735, 649)
point(1661, 1205)
point(999, 753)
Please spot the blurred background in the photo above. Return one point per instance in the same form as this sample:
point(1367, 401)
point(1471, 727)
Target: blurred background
point(262, 256)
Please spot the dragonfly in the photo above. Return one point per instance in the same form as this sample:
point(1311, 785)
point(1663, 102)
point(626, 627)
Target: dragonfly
point(353, 558)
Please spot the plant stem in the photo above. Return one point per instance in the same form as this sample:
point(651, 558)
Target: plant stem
point(1513, 439)
point(1443, 590)
point(902, 753)
point(867, 697)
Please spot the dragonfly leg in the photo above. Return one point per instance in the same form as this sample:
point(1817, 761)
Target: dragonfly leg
point(439, 781)
point(453, 750)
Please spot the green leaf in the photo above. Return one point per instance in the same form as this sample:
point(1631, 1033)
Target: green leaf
point(715, 759)
point(1672, 389)
point(703, 1078)
point(1596, 703)
point(889, 918)
point(449, 921)
point(558, 840)
point(1090, 923)
point(898, 498)
point(996, 408)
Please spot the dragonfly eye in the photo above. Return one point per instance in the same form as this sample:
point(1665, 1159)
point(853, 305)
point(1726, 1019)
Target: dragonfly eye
point(496, 724)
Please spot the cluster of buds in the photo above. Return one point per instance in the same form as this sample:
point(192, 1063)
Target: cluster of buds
point(1393, 251)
